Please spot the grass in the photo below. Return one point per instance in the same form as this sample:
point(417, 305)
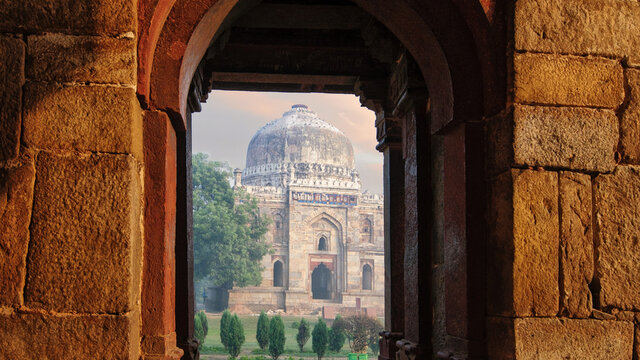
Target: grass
point(212, 344)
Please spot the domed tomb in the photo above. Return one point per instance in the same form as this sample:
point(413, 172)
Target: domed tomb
point(300, 148)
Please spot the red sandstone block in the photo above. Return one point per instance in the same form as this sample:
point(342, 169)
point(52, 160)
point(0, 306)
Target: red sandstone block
point(68, 16)
point(70, 58)
point(37, 336)
point(12, 55)
point(16, 196)
point(85, 250)
point(85, 118)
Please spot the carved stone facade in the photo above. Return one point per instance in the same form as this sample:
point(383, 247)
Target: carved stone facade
point(326, 234)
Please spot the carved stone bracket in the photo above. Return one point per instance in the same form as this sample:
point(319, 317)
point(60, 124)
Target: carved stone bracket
point(190, 348)
point(388, 347)
point(388, 131)
point(408, 350)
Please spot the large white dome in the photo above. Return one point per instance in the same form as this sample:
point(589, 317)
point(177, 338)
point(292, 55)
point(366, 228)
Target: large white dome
point(298, 145)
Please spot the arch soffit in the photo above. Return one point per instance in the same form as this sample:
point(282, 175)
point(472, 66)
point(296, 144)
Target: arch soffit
point(444, 49)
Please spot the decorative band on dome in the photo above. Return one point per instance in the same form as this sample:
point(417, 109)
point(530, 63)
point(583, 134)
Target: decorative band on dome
point(300, 106)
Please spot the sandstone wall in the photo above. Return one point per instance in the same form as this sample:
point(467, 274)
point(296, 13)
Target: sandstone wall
point(70, 180)
point(563, 263)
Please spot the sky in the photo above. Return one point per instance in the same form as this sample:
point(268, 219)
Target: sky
point(229, 120)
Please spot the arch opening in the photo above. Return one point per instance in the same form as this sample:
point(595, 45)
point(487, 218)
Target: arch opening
point(322, 244)
point(321, 282)
point(367, 277)
point(278, 274)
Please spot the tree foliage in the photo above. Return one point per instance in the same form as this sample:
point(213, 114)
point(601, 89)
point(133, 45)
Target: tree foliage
point(236, 336)
point(225, 329)
point(276, 337)
point(228, 230)
point(320, 338)
point(303, 334)
point(200, 326)
point(262, 331)
point(360, 329)
point(336, 336)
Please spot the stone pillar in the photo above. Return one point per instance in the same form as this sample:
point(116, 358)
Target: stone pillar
point(390, 144)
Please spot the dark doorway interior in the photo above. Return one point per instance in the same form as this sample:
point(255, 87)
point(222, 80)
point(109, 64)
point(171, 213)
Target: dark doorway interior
point(322, 244)
point(277, 274)
point(321, 282)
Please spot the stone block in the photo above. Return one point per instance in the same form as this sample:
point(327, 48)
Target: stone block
point(12, 54)
point(69, 58)
point(16, 196)
point(69, 16)
point(572, 138)
point(38, 336)
point(582, 27)
point(86, 118)
point(84, 255)
point(576, 244)
point(618, 262)
point(523, 244)
point(630, 120)
point(568, 80)
point(499, 143)
point(539, 338)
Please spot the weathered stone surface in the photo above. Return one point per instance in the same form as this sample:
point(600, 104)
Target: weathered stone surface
point(84, 254)
point(68, 16)
point(36, 336)
point(92, 118)
point(568, 80)
point(16, 195)
point(11, 81)
point(68, 58)
point(596, 27)
point(572, 339)
point(573, 138)
point(630, 121)
point(576, 244)
point(523, 244)
point(617, 212)
point(499, 143)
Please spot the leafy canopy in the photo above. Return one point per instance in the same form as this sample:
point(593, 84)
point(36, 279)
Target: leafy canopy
point(304, 333)
point(228, 230)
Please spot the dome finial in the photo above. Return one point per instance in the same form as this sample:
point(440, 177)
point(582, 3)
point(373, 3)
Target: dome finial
point(300, 106)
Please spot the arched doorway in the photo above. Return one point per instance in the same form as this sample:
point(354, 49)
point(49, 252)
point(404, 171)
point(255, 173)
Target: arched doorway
point(321, 282)
point(278, 274)
point(322, 244)
point(447, 43)
point(367, 277)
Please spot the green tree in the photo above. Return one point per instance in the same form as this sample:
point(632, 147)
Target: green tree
point(200, 326)
point(336, 335)
point(276, 337)
point(198, 331)
point(225, 329)
point(228, 230)
point(236, 336)
point(303, 334)
point(262, 331)
point(320, 337)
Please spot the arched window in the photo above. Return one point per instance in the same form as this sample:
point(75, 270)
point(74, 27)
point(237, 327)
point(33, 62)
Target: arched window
point(278, 274)
point(367, 276)
point(322, 244)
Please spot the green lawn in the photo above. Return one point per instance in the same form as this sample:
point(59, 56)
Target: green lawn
point(212, 344)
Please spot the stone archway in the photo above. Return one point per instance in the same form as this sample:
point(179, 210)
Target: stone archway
point(445, 60)
point(321, 282)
